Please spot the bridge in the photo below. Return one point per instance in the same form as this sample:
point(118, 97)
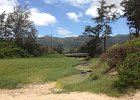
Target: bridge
point(77, 55)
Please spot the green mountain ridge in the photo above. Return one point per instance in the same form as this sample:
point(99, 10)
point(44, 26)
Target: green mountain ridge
point(74, 43)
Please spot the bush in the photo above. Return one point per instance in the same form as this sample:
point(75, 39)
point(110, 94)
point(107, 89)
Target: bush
point(117, 54)
point(1, 54)
point(36, 53)
point(12, 52)
point(93, 77)
point(19, 52)
point(133, 42)
point(43, 49)
point(129, 72)
point(9, 50)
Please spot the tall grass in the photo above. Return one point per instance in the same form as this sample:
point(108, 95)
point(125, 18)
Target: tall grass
point(14, 73)
point(103, 83)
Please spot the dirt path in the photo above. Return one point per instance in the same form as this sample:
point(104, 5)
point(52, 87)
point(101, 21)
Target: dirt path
point(46, 92)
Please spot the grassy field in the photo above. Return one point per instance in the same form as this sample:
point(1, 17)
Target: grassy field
point(14, 73)
point(97, 82)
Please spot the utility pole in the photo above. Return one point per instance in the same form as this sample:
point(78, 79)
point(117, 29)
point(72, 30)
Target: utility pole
point(51, 44)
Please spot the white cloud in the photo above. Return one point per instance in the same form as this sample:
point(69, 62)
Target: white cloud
point(64, 32)
point(73, 16)
point(42, 18)
point(7, 5)
point(77, 3)
point(38, 17)
point(92, 10)
point(51, 1)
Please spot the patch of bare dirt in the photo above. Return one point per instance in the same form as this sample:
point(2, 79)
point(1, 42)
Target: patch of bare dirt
point(46, 92)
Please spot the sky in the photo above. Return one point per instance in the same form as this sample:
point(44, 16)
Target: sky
point(64, 18)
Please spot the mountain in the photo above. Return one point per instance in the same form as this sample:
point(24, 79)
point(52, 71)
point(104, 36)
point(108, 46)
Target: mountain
point(74, 43)
point(67, 43)
point(118, 39)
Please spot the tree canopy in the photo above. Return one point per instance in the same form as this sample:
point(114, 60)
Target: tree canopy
point(106, 15)
point(132, 13)
point(17, 27)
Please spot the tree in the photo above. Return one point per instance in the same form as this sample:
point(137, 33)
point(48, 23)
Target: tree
point(59, 49)
point(2, 24)
point(21, 25)
point(93, 46)
point(5, 32)
point(24, 32)
point(106, 15)
point(132, 13)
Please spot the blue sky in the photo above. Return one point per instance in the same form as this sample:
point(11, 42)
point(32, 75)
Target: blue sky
point(64, 18)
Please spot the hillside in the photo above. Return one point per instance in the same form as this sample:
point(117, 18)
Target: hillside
point(75, 42)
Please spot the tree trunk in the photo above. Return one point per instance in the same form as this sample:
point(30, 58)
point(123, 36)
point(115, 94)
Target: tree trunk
point(130, 33)
point(137, 31)
point(104, 43)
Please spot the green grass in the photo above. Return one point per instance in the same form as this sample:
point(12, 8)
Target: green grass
point(73, 79)
point(85, 68)
point(103, 83)
point(14, 73)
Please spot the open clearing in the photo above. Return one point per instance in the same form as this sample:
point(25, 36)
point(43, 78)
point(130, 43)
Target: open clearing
point(15, 73)
point(56, 77)
point(46, 92)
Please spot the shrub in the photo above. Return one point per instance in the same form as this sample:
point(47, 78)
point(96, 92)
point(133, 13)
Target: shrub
point(117, 54)
point(19, 52)
point(129, 72)
point(1, 54)
point(43, 49)
point(12, 52)
point(93, 77)
point(9, 50)
point(36, 53)
point(133, 42)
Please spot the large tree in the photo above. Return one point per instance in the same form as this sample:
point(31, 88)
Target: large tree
point(21, 26)
point(106, 15)
point(18, 27)
point(132, 13)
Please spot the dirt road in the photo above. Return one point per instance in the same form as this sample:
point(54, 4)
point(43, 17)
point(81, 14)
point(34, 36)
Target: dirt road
point(46, 92)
